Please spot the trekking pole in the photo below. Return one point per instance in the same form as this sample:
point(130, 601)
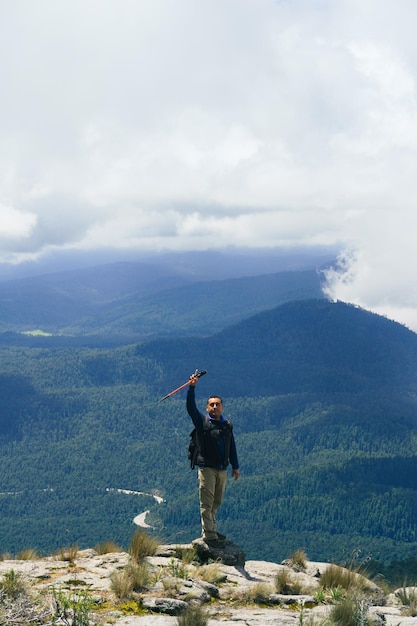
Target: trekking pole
point(171, 393)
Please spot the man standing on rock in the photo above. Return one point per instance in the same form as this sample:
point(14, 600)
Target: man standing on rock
point(216, 448)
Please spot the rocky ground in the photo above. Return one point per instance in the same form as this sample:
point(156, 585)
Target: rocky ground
point(239, 594)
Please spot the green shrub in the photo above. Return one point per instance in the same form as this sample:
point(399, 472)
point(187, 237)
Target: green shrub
point(350, 612)
point(72, 609)
point(336, 594)
point(12, 585)
point(177, 569)
point(132, 607)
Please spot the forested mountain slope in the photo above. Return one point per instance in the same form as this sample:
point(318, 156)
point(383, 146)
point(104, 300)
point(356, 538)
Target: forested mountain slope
point(323, 400)
point(312, 346)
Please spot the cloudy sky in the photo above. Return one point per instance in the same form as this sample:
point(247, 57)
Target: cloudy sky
point(194, 124)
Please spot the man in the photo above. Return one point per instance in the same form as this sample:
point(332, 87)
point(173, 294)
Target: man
point(216, 449)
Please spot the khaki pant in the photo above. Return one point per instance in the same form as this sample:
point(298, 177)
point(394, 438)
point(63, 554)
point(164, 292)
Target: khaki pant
point(212, 485)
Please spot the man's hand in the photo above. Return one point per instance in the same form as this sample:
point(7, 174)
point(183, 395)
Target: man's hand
point(194, 379)
point(235, 474)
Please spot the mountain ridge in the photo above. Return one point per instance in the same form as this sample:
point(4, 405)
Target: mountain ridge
point(340, 330)
point(115, 301)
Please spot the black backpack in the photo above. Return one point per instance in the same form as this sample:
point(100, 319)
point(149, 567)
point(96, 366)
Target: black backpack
point(193, 447)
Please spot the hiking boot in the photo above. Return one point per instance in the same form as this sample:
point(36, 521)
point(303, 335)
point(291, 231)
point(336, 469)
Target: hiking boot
point(221, 536)
point(215, 543)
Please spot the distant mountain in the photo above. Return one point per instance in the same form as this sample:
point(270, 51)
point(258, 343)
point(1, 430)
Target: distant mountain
point(141, 300)
point(200, 308)
point(52, 301)
point(203, 264)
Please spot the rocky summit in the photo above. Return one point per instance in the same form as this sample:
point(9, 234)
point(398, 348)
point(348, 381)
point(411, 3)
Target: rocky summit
point(81, 587)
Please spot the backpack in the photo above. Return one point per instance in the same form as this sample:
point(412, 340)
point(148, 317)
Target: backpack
point(193, 447)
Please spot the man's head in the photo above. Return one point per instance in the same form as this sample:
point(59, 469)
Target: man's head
point(214, 407)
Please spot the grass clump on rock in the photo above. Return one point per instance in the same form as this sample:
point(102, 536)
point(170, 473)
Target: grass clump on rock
point(142, 545)
point(194, 616)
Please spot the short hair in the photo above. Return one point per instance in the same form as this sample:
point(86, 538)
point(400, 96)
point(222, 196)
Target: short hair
point(214, 396)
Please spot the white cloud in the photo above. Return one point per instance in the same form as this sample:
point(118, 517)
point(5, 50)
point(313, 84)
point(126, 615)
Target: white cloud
point(182, 124)
point(14, 224)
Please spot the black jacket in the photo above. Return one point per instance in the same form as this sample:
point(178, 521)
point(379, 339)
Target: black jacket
point(215, 438)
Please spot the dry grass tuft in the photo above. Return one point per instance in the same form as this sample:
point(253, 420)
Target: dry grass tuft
point(68, 553)
point(211, 573)
point(408, 598)
point(260, 593)
point(142, 545)
point(27, 555)
point(350, 580)
point(286, 583)
point(195, 616)
point(132, 579)
point(299, 560)
point(107, 547)
point(187, 555)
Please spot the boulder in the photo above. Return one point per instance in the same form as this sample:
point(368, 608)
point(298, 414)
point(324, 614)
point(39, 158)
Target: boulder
point(230, 554)
point(168, 606)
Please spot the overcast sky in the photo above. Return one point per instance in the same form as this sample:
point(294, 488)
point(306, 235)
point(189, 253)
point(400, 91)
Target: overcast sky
point(194, 124)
